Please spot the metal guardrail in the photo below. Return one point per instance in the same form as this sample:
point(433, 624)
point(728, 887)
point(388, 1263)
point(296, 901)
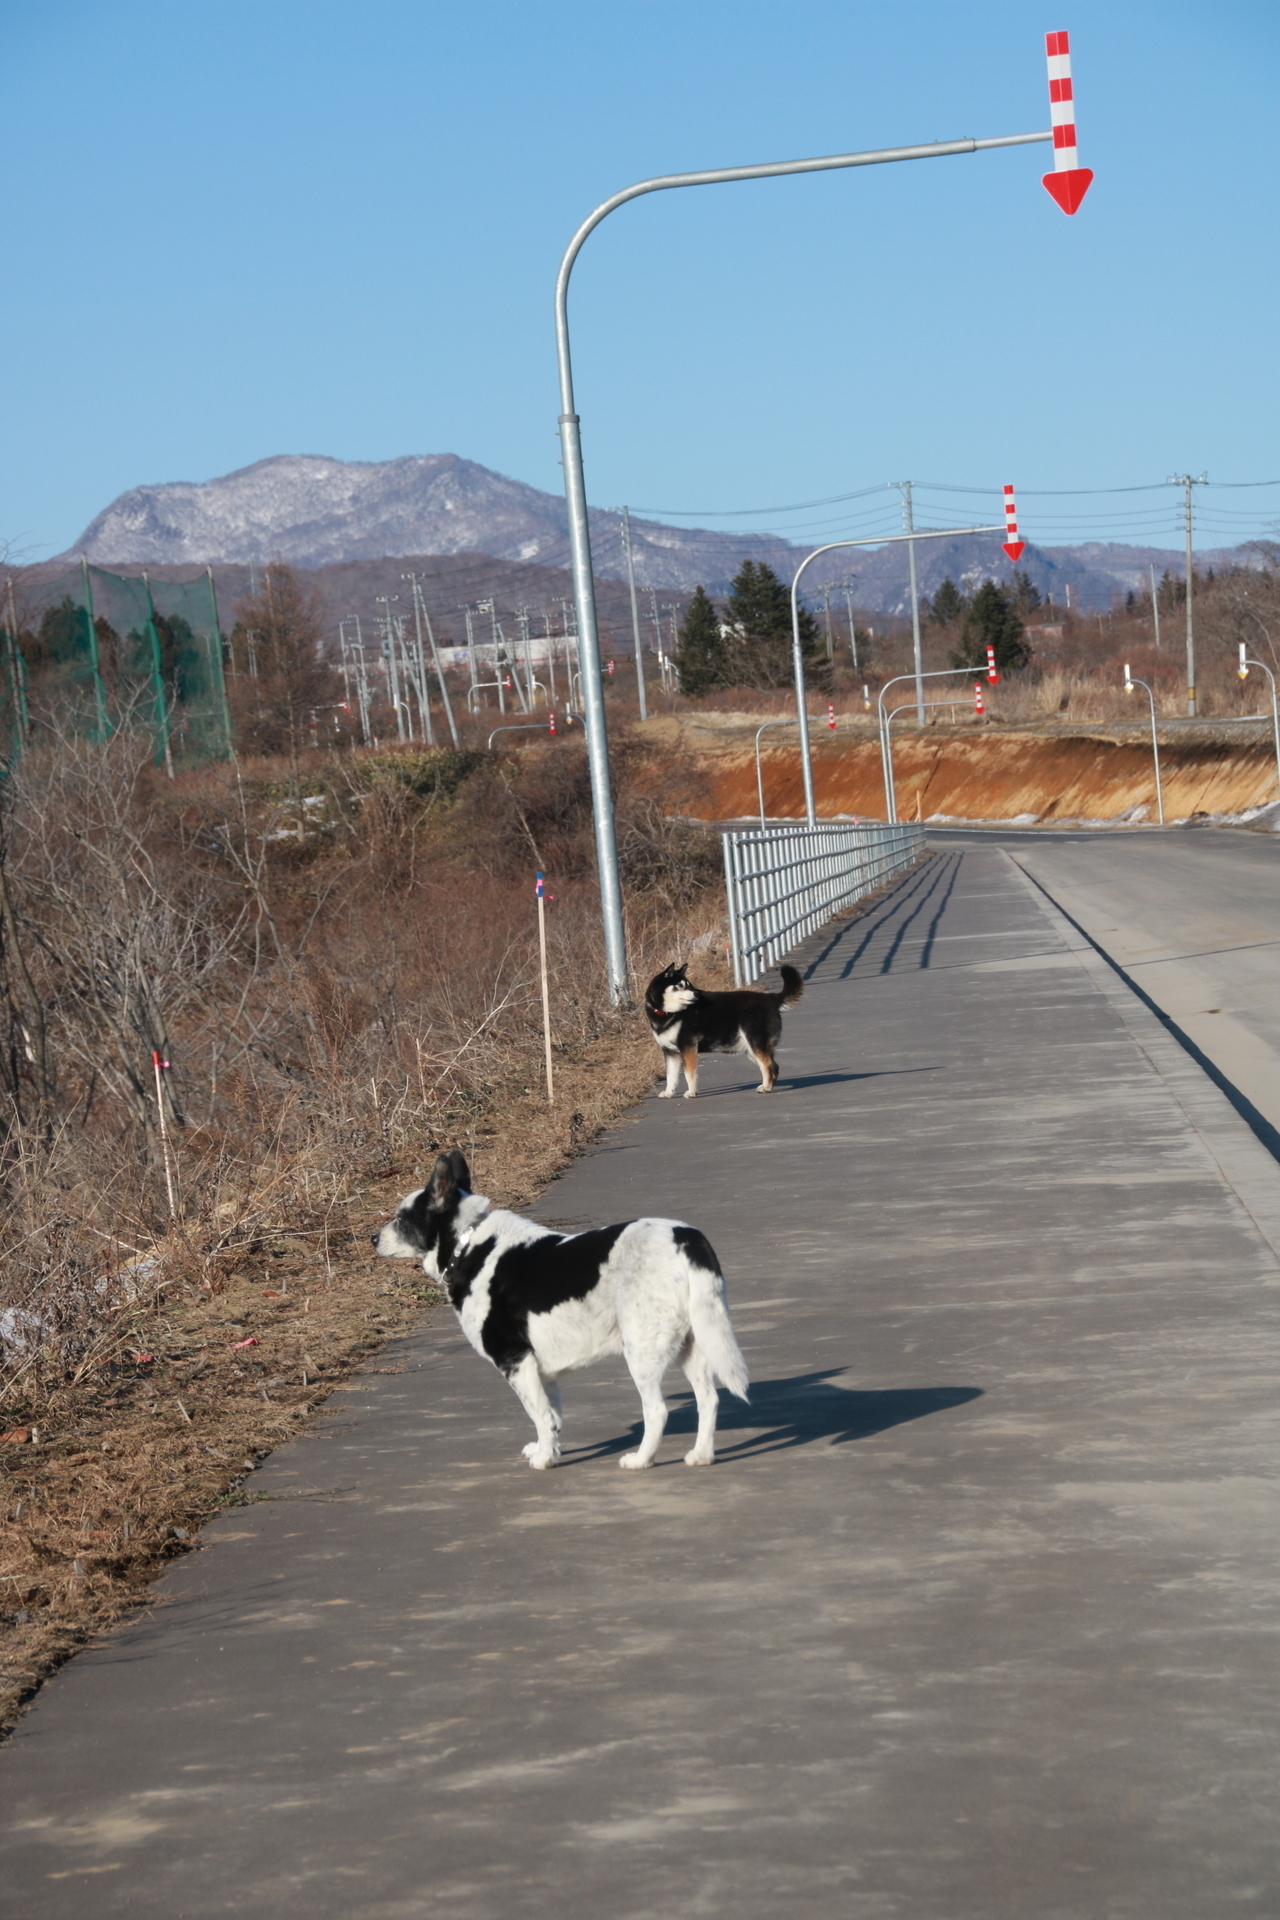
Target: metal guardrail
point(783, 883)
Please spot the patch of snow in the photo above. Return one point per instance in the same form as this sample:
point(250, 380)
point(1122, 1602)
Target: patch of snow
point(962, 820)
point(19, 1329)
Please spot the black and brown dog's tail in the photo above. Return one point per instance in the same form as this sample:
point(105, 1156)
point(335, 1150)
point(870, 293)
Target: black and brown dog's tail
point(792, 987)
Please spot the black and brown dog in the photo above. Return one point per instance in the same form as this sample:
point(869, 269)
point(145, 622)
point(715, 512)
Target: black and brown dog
point(686, 1021)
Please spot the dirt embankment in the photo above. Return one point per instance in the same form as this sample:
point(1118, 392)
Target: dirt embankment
point(984, 774)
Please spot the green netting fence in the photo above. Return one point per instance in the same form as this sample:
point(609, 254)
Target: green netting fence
point(94, 651)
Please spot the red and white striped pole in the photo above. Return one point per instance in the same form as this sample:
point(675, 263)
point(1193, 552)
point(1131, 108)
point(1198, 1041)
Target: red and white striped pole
point(977, 699)
point(1069, 182)
point(992, 675)
point(1011, 543)
point(551, 717)
point(831, 715)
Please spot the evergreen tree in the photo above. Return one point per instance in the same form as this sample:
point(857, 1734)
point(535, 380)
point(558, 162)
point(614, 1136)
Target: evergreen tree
point(701, 657)
point(993, 620)
point(947, 607)
point(1025, 593)
point(1172, 591)
point(759, 619)
point(63, 639)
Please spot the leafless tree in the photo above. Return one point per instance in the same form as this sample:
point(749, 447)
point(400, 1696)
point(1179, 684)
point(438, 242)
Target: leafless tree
point(278, 638)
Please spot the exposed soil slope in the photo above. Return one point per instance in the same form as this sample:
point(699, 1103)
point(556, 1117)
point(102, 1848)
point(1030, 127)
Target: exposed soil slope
point(986, 774)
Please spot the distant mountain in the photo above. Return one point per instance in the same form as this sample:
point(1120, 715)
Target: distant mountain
point(314, 512)
point(321, 513)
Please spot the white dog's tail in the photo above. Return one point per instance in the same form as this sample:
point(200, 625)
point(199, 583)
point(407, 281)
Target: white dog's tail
point(709, 1314)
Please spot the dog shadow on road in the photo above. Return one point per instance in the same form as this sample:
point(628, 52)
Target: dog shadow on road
point(791, 1083)
point(797, 1412)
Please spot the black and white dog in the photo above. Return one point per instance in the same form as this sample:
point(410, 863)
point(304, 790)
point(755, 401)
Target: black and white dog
point(539, 1304)
point(686, 1021)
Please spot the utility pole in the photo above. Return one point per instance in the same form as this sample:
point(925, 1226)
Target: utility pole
point(420, 598)
point(551, 655)
point(826, 606)
point(572, 653)
point(522, 615)
point(1187, 481)
point(910, 524)
point(1155, 605)
point(853, 631)
point(346, 671)
point(511, 653)
point(635, 611)
point(653, 608)
point(362, 684)
point(421, 685)
point(389, 655)
point(418, 663)
point(488, 606)
point(471, 653)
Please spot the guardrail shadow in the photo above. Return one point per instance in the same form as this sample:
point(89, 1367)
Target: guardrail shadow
point(796, 1412)
point(916, 890)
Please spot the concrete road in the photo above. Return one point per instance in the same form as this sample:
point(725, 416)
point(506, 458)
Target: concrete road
point(969, 1622)
point(1193, 918)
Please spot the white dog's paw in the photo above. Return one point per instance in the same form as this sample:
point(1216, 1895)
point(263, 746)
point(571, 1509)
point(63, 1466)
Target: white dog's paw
point(692, 1094)
point(527, 1452)
point(541, 1460)
point(632, 1460)
point(695, 1459)
point(666, 1094)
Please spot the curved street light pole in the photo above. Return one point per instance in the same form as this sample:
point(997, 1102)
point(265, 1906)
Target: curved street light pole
point(759, 774)
point(907, 707)
point(1129, 684)
point(886, 752)
point(797, 655)
point(576, 497)
point(1245, 663)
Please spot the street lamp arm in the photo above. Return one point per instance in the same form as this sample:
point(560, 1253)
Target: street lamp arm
point(767, 170)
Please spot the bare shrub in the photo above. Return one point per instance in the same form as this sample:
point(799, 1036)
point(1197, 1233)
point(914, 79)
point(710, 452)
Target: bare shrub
point(339, 967)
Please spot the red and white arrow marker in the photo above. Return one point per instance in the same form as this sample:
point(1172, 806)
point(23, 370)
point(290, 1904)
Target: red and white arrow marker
point(992, 675)
point(1011, 543)
point(1069, 182)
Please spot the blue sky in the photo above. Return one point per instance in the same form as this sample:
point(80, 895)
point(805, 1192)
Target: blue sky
point(238, 228)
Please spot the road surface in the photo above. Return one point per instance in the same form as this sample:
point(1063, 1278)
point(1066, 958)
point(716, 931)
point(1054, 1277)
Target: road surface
point(968, 1622)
